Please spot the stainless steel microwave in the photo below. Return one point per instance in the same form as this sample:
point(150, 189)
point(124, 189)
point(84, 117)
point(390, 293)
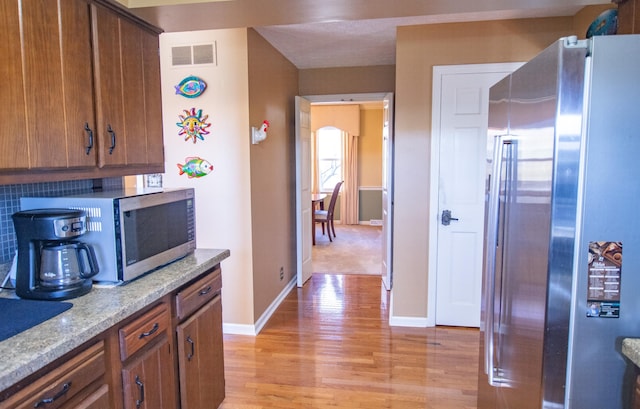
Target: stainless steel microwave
point(133, 231)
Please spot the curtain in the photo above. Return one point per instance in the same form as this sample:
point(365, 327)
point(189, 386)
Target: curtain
point(347, 119)
point(349, 202)
point(315, 180)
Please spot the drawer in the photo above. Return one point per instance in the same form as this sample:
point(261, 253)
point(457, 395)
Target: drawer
point(197, 294)
point(143, 330)
point(62, 383)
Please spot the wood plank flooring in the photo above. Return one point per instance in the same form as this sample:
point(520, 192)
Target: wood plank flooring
point(329, 346)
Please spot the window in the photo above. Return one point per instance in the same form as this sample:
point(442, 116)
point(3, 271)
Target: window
point(329, 157)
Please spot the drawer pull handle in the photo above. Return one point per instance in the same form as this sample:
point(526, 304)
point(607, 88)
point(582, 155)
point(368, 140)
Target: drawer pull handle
point(193, 348)
point(89, 136)
point(65, 389)
point(112, 133)
point(153, 330)
point(141, 388)
point(205, 291)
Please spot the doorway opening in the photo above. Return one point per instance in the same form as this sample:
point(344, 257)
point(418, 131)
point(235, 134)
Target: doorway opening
point(359, 247)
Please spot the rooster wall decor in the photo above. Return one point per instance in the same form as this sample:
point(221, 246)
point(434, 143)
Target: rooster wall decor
point(259, 134)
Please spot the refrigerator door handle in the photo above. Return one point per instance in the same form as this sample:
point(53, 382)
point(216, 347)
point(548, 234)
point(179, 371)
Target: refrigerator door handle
point(490, 263)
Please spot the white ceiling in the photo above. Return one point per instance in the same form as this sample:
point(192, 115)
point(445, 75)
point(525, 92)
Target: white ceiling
point(343, 33)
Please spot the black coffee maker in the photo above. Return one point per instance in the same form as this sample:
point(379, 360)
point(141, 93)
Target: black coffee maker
point(52, 265)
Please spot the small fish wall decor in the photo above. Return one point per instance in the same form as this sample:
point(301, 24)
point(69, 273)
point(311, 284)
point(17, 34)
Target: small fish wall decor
point(192, 125)
point(191, 87)
point(195, 167)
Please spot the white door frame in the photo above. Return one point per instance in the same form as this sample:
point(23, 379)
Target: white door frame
point(304, 215)
point(438, 73)
point(350, 98)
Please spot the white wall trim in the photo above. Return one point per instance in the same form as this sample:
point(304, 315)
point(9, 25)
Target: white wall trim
point(239, 329)
point(345, 98)
point(434, 191)
point(244, 329)
point(414, 322)
point(370, 188)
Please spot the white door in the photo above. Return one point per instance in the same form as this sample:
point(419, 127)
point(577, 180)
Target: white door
point(304, 221)
point(461, 149)
point(387, 191)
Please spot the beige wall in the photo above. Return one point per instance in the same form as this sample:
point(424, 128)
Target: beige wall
point(327, 81)
point(251, 210)
point(370, 148)
point(223, 211)
point(419, 49)
point(273, 82)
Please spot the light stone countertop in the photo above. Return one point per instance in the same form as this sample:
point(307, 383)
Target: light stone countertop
point(95, 312)
point(631, 349)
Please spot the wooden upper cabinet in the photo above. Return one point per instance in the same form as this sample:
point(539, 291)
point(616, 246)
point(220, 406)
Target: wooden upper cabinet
point(127, 80)
point(82, 91)
point(153, 98)
point(109, 96)
point(77, 74)
point(47, 124)
point(14, 152)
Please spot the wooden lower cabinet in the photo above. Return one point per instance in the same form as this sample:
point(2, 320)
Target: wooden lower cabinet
point(200, 358)
point(148, 381)
point(78, 382)
point(97, 400)
point(198, 315)
point(160, 357)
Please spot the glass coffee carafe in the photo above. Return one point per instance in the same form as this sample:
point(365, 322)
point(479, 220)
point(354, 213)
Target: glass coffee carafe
point(66, 264)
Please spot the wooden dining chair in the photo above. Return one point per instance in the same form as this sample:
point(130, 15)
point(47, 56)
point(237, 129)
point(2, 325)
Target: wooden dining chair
point(325, 217)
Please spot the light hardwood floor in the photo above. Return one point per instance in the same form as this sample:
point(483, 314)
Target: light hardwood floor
point(329, 346)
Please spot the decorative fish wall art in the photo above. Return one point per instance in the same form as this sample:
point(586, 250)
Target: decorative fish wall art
point(195, 167)
point(192, 125)
point(191, 87)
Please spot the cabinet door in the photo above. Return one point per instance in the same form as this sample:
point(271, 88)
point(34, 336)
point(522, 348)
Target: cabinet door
point(45, 127)
point(13, 147)
point(78, 83)
point(201, 358)
point(153, 98)
point(148, 381)
point(128, 91)
point(108, 80)
point(133, 91)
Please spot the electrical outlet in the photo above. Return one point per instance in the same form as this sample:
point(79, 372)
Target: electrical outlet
point(281, 273)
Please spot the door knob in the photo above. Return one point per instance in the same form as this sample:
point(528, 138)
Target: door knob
point(446, 217)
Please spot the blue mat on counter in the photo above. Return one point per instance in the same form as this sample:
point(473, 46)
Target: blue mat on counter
point(20, 315)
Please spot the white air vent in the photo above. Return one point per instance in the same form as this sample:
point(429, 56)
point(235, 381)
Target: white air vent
point(94, 217)
point(194, 54)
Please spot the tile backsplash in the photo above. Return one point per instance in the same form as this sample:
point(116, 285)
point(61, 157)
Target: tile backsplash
point(10, 203)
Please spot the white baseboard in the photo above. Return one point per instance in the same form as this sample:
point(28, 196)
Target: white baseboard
point(416, 322)
point(244, 329)
point(239, 329)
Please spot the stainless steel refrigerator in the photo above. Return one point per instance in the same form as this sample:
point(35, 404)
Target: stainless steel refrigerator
point(561, 278)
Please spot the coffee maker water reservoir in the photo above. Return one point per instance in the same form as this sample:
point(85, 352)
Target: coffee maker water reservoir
point(52, 264)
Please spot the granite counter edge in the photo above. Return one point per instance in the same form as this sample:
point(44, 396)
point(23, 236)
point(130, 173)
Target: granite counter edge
point(631, 349)
point(30, 351)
